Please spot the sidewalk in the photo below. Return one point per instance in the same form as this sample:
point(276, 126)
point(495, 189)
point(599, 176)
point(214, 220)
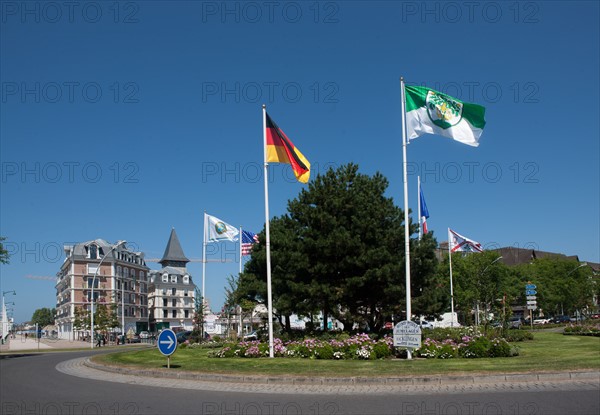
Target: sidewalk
point(45, 344)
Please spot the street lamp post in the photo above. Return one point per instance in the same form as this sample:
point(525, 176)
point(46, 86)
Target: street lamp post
point(123, 308)
point(112, 248)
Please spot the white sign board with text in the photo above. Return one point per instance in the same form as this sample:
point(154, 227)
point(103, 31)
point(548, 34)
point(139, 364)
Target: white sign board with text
point(407, 334)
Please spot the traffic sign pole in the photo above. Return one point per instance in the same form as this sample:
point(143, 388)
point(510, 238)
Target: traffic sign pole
point(167, 344)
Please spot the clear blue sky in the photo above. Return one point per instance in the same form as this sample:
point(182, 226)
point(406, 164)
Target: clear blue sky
point(123, 122)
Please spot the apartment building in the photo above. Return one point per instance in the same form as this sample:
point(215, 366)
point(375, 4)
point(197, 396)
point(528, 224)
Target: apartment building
point(171, 295)
point(121, 283)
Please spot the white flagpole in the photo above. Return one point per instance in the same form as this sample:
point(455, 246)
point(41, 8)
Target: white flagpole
point(406, 222)
point(268, 237)
point(451, 287)
point(241, 241)
point(204, 259)
point(419, 206)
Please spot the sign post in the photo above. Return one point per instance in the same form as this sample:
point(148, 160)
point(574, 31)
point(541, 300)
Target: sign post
point(167, 344)
point(530, 293)
point(407, 334)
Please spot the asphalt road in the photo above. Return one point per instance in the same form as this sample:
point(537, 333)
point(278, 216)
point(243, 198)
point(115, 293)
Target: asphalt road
point(31, 384)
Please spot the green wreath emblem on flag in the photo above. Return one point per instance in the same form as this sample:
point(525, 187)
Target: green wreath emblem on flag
point(443, 110)
point(220, 228)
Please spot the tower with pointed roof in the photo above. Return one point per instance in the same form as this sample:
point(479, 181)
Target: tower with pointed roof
point(174, 256)
point(171, 294)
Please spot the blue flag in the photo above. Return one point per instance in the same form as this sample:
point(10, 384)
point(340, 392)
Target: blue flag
point(424, 211)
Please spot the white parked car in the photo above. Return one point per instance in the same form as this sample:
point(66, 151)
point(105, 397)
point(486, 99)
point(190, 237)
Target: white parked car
point(426, 324)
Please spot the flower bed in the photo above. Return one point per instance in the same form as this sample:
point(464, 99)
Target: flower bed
point(362, 347)
point(468, 347)
point(583, 330)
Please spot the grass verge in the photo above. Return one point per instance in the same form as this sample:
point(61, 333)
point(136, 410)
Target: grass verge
point(548, 352)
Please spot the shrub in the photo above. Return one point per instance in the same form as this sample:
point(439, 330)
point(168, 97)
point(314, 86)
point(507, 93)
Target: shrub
point(583, 330)
point(447, 351)
point(476, 348)
point(499, 348)
point(324, 351)
point(382, 350)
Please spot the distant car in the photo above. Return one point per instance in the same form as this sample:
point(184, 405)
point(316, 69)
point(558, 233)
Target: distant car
point(595, 316)
point(182, 336)
point(144, 335)
point(561, 319)
point(253, 335)
point(515, 323)
point(539, 321)
point(134, 338)
point(426, 325)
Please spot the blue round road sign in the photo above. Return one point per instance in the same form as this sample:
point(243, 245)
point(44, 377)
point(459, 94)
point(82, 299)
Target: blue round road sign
point(167, 342)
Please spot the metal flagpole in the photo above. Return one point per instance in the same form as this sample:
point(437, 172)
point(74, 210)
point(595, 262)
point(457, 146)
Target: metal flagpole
point(451, 287)
point(406, 223)
point(203, 260)
point(419, 206)
point(241, 242)
point(268, 238)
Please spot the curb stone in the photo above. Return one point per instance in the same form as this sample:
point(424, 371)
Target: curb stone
point(432, 380)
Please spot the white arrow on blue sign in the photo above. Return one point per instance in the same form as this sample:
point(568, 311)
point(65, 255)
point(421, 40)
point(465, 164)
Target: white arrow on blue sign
point(530, 287)
point(167, 342)
point(530, 292)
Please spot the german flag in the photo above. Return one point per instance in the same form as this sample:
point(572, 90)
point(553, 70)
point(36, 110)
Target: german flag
point(281, 150)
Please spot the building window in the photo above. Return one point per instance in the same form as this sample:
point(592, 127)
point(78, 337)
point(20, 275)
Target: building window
point(165, 302)
point(173, 291)
point(93, 252)
point(185, 292)
point(142, 276)
point(165, 277)
point(186, 279)
point(174, 278)
point(164, 291)
point(187, 313)
point(89, 282)
point(174, 314)
point(119, 271)
point(165, 315)
point(96, 295)
point(174, 303)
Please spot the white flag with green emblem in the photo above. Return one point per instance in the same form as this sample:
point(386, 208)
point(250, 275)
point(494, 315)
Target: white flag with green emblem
point(219, 230)
point(432, 112)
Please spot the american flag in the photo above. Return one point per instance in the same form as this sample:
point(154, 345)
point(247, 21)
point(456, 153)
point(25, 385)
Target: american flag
point(248, 240)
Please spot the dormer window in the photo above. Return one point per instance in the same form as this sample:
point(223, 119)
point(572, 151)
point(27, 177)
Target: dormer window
point(186, 279)
point(165, 277)
point(93, 252)
point(174, 278)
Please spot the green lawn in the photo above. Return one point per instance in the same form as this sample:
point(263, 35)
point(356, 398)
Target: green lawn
point(548, 352)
